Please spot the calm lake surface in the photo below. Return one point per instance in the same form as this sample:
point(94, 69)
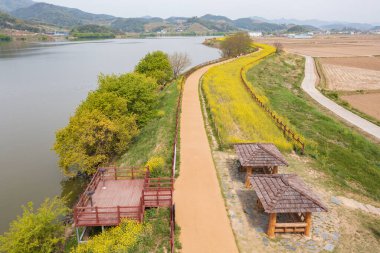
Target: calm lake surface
point(40, 87)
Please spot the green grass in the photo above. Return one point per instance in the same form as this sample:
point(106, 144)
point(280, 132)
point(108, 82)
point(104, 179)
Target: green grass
point(350, 159)
point(156, 239)
point(156, 138)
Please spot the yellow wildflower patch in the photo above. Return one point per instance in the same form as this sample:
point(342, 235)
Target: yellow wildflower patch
point(236, 116)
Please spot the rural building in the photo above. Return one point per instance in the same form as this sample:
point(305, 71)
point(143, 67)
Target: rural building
point(259, 158)
point(288, 201)
point(255, 34)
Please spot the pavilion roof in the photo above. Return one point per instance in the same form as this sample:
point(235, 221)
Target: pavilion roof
point(259, 155)
point(285, 193)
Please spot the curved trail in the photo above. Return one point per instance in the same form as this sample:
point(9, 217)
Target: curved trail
point(200, 208)
point(308, 85)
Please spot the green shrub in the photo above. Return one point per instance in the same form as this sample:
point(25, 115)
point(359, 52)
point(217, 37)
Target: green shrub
point(139, 91)
point(92, 139)
point(4, 37)
point(157, 66)
point(38, 230)
point(119, 239)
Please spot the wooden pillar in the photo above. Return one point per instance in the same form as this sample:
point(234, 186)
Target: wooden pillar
point(247, 176)
point(275, 170)
point(308, 224)
point(272, 224)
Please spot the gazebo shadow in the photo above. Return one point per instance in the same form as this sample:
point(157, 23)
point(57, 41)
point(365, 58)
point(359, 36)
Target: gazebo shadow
point(233, 170)
point(256, 218)
point(247, 197)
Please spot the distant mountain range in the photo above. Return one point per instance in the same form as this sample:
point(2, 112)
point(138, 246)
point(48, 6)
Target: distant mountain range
point(11, 5)
point(70, 17)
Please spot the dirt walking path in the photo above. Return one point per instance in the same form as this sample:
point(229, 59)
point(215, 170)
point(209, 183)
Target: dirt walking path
point(308, 85)
point(200, 208)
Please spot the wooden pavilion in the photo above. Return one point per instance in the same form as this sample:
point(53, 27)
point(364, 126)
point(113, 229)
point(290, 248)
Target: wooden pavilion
point(259, 158)
point(288, 201)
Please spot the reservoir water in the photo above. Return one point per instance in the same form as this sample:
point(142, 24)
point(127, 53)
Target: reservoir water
point(40, 87)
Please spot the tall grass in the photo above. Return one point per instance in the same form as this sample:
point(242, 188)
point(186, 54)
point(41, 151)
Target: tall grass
point(156, 138)
point(350, 159)
point(236, 116)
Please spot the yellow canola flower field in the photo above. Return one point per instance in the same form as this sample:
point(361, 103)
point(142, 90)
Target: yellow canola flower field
point(236, 116)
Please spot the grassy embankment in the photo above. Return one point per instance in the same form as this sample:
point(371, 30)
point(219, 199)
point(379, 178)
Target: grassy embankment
point(349, 159)
point(235, 116)
point(156, 140)
point(157, 137)
point(4, 37)
point(335, 95)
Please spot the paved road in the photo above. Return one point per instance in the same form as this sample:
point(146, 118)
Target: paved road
point(308, 85)
point(200, 208)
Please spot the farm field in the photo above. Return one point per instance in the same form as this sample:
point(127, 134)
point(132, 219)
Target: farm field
point(350, 79)
point(235, 116)
point(330, 45)
point(353, 82)
point(351, 73)
point(349, 67)
point(368, 103)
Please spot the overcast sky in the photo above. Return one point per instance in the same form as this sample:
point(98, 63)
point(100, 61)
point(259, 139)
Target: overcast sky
point(330, 10)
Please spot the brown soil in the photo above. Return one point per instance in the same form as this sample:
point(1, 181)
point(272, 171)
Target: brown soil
point(372, 63)
point(350, 78)
point(367, 103)
point(200, 208)
point(330, 46)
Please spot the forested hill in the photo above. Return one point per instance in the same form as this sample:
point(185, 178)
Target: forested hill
point(70, 17)
point(60, 16)
point(11, 5)
point(9, 22)
point(207, 24)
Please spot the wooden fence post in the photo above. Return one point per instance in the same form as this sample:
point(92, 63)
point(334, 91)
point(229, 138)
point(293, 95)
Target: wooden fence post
point(308, 224)
point(271, 225)
point(97, 215)
point(118, 214)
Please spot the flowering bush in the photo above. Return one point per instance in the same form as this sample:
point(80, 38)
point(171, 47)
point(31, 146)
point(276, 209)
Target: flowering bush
point(116, 240)
point(237, 117)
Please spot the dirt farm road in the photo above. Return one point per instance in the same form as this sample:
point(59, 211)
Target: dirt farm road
point(308, 85)
point(200, 208)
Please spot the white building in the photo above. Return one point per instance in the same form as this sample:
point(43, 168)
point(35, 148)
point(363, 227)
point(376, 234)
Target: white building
point(255, 34)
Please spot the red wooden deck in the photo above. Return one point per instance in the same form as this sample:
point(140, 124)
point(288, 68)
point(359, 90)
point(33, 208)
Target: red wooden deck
point(118, 193)
point(126, 194)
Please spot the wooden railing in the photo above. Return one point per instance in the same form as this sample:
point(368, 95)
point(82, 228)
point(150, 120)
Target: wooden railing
point(158, 192)
point(172, 228)
point(107, 216)
point(286, 130)
point(292, 227)
point(123, 173)
point(84, 198)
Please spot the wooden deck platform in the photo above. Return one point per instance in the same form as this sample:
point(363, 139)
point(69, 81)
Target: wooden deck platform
point(117, 193)
point(111, 196)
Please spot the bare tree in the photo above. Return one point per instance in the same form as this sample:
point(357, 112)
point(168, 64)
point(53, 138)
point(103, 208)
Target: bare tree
point(279, 47)
point(179, 62)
